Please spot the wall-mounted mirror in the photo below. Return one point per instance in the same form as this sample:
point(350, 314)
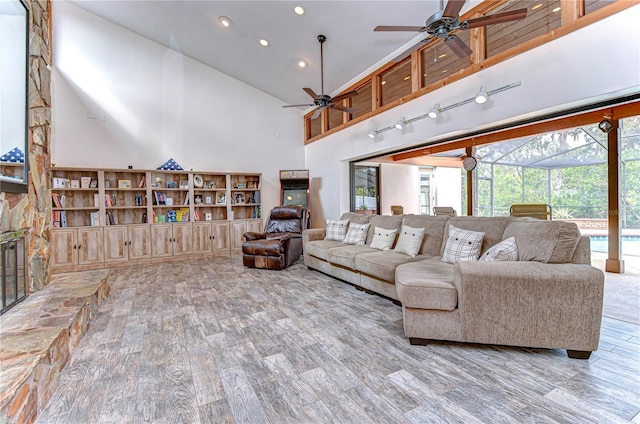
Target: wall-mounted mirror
point(14, 56)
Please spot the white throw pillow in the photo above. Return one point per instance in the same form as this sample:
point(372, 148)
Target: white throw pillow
point(357, 233)
point(462, 245)
point(383, 239)
point(409, 241)
point(336, 230)
point(506, 250)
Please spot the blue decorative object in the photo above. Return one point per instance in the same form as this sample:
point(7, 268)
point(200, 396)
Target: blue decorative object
point(170, 165)
point(15, 155)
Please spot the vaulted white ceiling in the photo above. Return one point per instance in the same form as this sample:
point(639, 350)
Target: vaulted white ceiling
point(352, 49)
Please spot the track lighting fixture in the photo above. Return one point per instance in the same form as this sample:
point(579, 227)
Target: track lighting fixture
point(482, 95)
point(434, 112)
point(400, 124)
point(226, 22)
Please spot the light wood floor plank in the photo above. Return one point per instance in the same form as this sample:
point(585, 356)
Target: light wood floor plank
point(210, 341)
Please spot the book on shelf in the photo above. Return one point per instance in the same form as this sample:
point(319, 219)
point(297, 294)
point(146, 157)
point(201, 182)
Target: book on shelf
point(96, 200)
point(63, 219)
point(144, 217)
point(55, 219)
point(142, 182)
point(56, 200)
point(110, 218)
point(95, 219)
point(63, 200)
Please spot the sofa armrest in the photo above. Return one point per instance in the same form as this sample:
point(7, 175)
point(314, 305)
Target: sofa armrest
point(313, 234)
point(530, 303)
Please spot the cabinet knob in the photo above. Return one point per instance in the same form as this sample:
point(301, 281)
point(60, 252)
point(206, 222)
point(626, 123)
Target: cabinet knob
point(75, 247)
point(79, 246)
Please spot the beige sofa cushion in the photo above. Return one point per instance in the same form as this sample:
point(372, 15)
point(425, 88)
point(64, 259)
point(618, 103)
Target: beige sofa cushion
point(318, 248)
point(426, 284)
point(544, 241)
point(344, 255)
point(388, 222)
point(355, 217)
point(433, 231)
point(382, 265)
point(493, 229)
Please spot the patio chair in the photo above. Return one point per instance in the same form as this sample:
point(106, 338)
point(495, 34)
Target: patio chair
point(397, 210)
point(532, 210)
point(444, 210)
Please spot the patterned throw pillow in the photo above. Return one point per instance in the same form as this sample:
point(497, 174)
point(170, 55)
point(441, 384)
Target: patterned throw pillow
point(336, 230)
point(357, 233)
point(383, 239)
point(409, 241)
point(462, 245)
point(506, 250)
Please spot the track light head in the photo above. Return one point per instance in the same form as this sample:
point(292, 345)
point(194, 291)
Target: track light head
point(434, 112)
point(400, 124)
point(482, 95)
point(372, 134)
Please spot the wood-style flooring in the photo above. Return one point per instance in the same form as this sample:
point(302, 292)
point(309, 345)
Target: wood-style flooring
point(209, 341)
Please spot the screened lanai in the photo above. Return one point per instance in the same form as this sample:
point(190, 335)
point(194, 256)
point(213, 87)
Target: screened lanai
point(565, 169)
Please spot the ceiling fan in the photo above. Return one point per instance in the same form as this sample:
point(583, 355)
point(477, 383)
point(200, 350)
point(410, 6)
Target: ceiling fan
point(441, 24)
point(323, 101)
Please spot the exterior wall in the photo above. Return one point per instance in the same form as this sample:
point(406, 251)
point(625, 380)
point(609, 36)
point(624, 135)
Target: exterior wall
point(556, 76)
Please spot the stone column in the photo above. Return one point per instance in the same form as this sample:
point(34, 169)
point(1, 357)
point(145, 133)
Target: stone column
point(37, 214)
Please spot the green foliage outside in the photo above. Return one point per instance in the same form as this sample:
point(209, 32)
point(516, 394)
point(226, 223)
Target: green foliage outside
point(578, 191)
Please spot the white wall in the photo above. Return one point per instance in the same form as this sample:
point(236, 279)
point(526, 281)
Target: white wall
point(576, 69)
point(400, 185)
point(447, 182)
point(120, 99)
point(12, 80)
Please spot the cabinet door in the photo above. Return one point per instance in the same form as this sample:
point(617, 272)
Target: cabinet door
point(90, 245)
point(220, 237)
point(115, 244)
point(238, 228)
point(182, 239)
point(64, 247)
point(202, 237)
point(161, 240)
point(139, 242)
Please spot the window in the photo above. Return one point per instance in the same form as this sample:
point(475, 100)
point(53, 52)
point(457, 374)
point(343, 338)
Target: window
point(425, 192)
point(365, 182)
point(14, 27)
point(396, 82)
point(362, 102)
point(439, 61)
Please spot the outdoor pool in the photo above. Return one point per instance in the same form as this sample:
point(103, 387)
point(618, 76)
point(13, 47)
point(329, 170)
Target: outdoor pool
point(630, 244)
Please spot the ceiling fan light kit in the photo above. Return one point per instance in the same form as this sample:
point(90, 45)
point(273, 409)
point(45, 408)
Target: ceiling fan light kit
point(437, 110)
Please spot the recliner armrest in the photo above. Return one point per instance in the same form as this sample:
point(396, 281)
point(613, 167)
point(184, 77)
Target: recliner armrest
point(254, 236)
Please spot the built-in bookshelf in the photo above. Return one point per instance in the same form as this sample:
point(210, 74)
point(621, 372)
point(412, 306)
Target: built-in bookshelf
point(90, 197)
point(12, 169)
point(120, 216)
point(75, 198)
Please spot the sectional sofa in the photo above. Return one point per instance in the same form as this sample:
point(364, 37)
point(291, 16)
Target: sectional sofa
point(539, 291)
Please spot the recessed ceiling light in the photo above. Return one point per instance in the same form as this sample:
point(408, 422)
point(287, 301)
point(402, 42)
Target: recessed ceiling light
point(407, 77)
point(302, 63)
point(226, 22)
point(383, 83)
point(263, 42)
point(446, 70)
point(442, 55)
point(557, 9)
point(298, 10)
point(537, 6)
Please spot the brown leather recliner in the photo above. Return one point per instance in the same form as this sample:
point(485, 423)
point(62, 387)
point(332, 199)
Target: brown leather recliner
point(281, 243)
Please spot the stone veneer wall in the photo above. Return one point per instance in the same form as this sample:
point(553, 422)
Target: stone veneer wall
point(33, 210)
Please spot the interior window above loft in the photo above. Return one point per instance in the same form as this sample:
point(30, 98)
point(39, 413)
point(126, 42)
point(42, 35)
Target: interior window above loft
point(362, 102)
point(542, 17)
point(439, 61)
point(396, 82)
point(315, 126)
point(593, 5)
